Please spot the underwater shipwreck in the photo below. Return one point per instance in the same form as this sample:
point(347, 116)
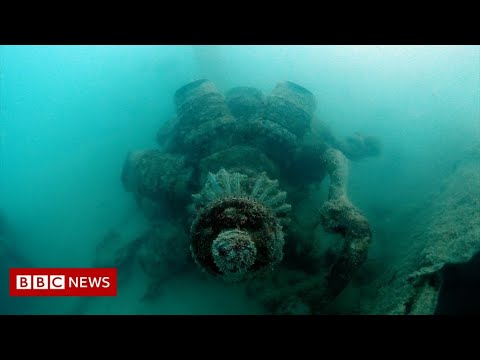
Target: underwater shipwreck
point(225, 190)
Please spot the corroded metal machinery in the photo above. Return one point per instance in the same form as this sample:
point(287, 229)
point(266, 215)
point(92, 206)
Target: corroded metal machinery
point(227, 181)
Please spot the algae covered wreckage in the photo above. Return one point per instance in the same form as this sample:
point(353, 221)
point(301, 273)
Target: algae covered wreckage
point(223, 193)
point(439, 271)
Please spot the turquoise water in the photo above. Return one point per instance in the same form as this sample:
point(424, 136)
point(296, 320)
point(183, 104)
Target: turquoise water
point(70, 114)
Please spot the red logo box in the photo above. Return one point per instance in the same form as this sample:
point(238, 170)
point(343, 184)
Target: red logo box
point(63, 282)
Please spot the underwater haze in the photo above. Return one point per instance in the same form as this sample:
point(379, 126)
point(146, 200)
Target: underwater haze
point(70, 115)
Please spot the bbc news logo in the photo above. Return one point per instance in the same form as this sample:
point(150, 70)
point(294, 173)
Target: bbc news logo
point(63, 282)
